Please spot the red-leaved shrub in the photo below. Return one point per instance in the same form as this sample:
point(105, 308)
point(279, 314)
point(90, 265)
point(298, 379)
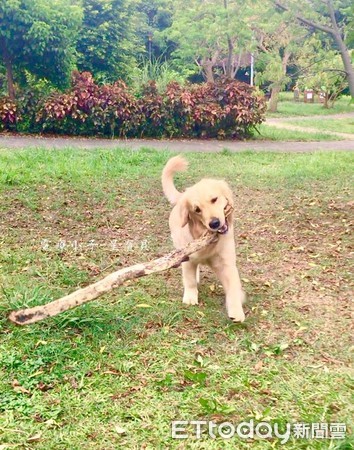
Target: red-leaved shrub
point(8, 114)
point(90, 109)
point(224, 109)
point(152, 120)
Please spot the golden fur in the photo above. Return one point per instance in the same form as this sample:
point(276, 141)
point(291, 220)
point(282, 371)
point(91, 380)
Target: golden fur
point(200, 207)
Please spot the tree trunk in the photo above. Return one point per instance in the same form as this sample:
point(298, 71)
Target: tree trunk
point(333, 31)
point(229, 72)
point(326, 97)
point(8, 66)
point(229, 65)
point(349, 69)
point(343, 50)
point(236, 65)
point(208, 65)
point(273, 101)
point(208, 71)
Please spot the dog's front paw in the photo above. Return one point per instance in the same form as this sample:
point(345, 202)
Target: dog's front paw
point(234, 307)
point(237, 317)
point(190, 297)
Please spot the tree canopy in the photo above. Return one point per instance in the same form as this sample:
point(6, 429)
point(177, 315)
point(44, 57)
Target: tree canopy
point(39, 36)
point(107, 45)
point(212, 35)
point(330, 17)
point(110, 38)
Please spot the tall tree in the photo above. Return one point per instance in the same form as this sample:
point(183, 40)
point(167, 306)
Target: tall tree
point(350, 34)
point(329, 17)
point(321, 68)
point(278, 49)
point(39, 36)
point(212, 34)
point(108, 42)
point(155, 16)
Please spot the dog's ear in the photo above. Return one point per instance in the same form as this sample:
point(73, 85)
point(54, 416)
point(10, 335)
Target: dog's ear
point(183, 212)
point(227, 193)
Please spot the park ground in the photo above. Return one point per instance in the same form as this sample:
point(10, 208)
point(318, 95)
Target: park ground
point(114, 373)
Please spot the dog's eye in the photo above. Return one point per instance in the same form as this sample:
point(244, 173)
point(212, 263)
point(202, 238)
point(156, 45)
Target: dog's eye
point(197, 209)
point(213, 200)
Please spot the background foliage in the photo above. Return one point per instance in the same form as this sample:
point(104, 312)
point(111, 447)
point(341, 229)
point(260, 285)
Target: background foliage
point(43, 41)
point(222, 109)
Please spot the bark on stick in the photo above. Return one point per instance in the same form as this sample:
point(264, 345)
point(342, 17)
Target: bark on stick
point(111, 281)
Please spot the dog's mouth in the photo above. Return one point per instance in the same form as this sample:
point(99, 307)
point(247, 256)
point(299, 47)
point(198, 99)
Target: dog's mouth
point(224, 229)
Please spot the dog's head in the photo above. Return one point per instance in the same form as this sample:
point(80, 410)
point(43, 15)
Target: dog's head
point(207, 205)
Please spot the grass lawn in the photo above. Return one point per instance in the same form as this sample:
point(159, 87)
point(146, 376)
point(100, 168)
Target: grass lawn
point(343, 125)
point(114, 373)
point(287, 107)
point(272, 133)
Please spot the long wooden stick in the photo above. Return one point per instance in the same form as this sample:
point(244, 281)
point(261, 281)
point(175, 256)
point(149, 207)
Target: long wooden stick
point(111, 281)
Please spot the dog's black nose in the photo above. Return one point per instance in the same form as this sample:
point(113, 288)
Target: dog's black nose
point(214, 224)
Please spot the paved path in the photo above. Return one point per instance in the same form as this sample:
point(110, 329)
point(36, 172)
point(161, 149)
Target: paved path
point(8, 141)
point(207, 146)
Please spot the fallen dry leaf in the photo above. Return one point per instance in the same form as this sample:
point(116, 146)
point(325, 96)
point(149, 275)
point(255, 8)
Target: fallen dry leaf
point(119, 429)
point(258, 366)
point(111, 372)
point(18, 388)
point(44, 387)
point(35, 438)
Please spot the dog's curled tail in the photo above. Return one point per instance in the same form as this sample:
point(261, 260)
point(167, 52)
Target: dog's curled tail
point(175, 164)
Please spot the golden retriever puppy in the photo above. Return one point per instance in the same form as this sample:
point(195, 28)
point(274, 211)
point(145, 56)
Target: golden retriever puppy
point(202, 207)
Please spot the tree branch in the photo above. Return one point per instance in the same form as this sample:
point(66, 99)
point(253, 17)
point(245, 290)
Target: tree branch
point(111, 281)
point(310, 23)
point(332, 16)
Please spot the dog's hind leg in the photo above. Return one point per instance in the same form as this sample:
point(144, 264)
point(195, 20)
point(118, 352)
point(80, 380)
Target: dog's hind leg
point(235, 297)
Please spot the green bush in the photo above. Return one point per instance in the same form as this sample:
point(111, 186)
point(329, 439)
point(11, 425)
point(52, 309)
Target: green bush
point(31, 99)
